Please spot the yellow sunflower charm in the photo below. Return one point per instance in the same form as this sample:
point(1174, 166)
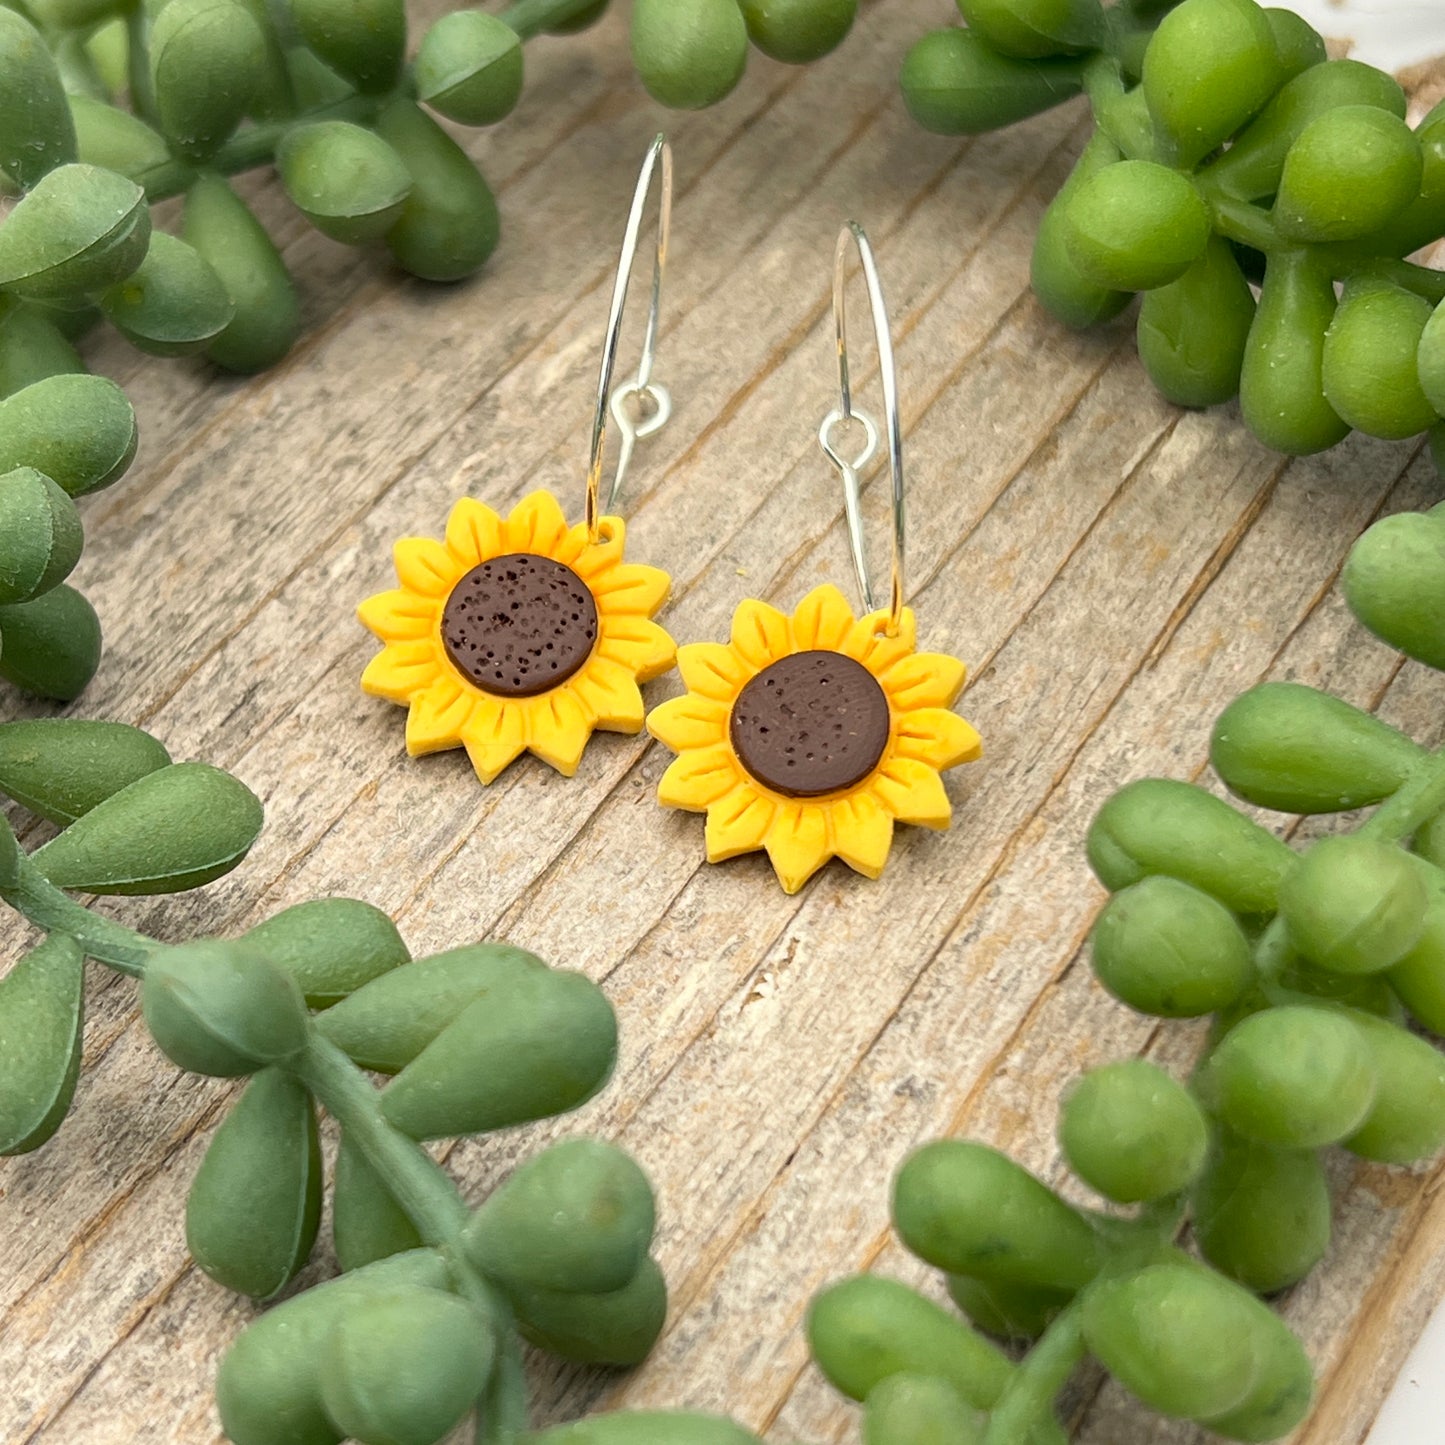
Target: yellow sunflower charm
point(524, 633)
point(810, 736)
point(515, 634)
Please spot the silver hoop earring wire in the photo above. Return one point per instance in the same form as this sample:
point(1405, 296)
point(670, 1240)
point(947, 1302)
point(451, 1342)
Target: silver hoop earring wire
point(850, 469)
point(641, 390)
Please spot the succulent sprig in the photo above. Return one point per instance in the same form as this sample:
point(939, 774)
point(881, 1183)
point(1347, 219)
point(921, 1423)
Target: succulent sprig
point(1235, 175)
point(1321, 970)
point(426, 1324)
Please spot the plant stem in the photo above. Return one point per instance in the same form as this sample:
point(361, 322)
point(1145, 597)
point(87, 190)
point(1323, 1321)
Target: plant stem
point(416, 1181)
point(253, 146)
point(122, 948)
point(138, 62)
point(77, 69)
point(1417, 801)
point(434, 1205)
point(502, 1411)
point(1241, 221)
point(1029, 1395)
point(1119, 113)
point(1421, 280)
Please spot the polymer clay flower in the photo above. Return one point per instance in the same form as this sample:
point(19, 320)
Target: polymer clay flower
point(517, 634)
point(810, 736)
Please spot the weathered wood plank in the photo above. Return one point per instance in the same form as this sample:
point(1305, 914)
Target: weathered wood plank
point(1114, 570)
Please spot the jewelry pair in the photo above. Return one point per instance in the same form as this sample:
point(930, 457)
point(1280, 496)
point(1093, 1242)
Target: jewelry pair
point(807, 735)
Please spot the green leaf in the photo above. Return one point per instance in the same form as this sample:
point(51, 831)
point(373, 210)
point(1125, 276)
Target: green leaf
point(387, 1024)
point(542, 1045)
point(61, 768)
point(40, 534)
point(361, 40)
point(267, 316)
point(51, 644)
point(78, 429)
point(578, 1216)
point(172, 303)
point(217, 1007)
point(208, 59)
point(616, 1328)
point(469, 67)
point(82, 228)
point(32, 347)
point(919, 1410)
point(176, 828)
point(270, 1373)
point(111, 137)
point(1394, 582)
point(1294, 748)
point(347, 181)
point(10, 855)
point(41, 1013)
point(330, 946)
point(449, 224)
point(865, 1328)
point(367, 1224)
point(255, 1203)
point(36, 134)
point(405, 1368)
point(72, 14)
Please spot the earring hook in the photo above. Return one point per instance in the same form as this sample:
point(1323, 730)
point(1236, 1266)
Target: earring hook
point(845, 411)
point(641, 389)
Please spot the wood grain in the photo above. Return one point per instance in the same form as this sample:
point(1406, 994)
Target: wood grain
point(1114, 569)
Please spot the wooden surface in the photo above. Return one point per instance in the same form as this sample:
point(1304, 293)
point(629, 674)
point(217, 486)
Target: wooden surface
point(1113, 569)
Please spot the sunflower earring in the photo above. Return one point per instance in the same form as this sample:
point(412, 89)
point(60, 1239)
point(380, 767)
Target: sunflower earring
point(811, 735)
point(525, 633)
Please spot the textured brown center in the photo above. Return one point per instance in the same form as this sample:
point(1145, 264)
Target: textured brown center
point(519, 625)
point(812, 723)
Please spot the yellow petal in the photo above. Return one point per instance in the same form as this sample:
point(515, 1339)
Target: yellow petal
point(611, 695)
point(862, 832)
point(822, 620)
point(927, 679)
point(425, 566)
point(688, 721)
point(631, 587)
point(712, 669)
point(437, 718)
point(558, 727)
point(570, 546)
point(474, 533)
point(494, 735)
point(935, 736)
point(737, 823)
point(698, 778)
point(399, 615)
point(642, 647)
point(594, 558)
point(536, 525)
point(912, 792)
point(797, 843)
point(401, 670)
point(761, 633)
point(868, 641)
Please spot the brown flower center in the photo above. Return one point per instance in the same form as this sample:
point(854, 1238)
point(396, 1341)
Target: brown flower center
point(519, 625)
point(812, 723)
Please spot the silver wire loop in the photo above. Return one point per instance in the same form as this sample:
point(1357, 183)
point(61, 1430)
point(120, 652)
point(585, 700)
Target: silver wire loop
point(641, 388)
point(845, 411)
